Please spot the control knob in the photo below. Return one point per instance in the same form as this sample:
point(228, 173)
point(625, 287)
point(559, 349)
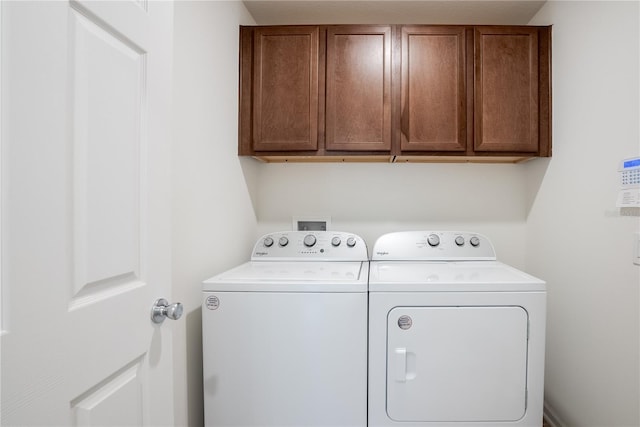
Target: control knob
point(459, 240)
point(309, 240)
point(283, 241)
point(268, 242)
point(351, 242)
point(433, 240)
point(474, 241)
point(336, 241)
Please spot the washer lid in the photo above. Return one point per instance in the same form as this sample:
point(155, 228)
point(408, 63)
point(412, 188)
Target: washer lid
point(453, 276)
point(300, 276)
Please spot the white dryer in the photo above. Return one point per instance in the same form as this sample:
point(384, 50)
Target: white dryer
point(285, 335)
point(456, 338)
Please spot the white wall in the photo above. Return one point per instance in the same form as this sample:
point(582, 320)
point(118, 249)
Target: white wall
point(371, 199)
point(214, 223)
point(542, 216)
point(576, 238)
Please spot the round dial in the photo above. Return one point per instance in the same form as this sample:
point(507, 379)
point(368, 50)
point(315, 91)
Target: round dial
point(459, 240)
point(474, 241)
point(433, 240)
point(351, 242)
point(336, 241)
point(283, 241)
point(309, 240)
point(268, 241)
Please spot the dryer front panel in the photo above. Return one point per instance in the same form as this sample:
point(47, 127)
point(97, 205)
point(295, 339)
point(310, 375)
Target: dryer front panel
point(456, 363)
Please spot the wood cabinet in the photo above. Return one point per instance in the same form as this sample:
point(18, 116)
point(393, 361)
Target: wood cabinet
point(315, 91)
point(506, 89)
point(358, 88)
point(395, 93)
point(284, 105)
point(433, 89)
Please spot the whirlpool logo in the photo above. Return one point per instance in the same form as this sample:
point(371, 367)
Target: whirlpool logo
point(382, 253)
point(261, 253)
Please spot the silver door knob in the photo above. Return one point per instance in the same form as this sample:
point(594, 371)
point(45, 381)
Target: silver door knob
point(162, 309)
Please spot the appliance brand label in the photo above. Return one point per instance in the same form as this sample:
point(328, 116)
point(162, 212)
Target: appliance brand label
point(405, 322)
point(382, 253)
point(212, 302)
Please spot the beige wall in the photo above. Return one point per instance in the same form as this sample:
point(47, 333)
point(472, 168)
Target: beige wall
point(213, 218)
point(576, 238)
point(373, 199)
point(548, 216)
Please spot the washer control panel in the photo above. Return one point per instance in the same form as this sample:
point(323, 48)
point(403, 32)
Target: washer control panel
point(433, 246)
point(309, 246)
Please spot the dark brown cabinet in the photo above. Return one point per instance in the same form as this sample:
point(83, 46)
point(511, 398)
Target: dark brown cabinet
point(507, 94)
point(433, 89)
point(284, 105)
point(315, 91)
point(358, 87)
point(395, 93)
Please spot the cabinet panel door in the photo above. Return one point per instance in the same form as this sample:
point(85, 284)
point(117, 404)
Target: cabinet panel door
point(285, 89)
point(358, 85)
point(433, 89)
point(506, 89)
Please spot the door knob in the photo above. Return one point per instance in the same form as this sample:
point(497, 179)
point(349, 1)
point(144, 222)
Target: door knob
point(162, 309)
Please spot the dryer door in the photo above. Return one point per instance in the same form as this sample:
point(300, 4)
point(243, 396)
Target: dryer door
point(456, 363)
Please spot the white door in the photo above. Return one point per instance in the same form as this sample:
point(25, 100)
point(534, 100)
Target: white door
point(85, 212)
point(457, 364)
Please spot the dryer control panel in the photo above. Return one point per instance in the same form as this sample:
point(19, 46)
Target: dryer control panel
point(310, 246)
point(433, 246)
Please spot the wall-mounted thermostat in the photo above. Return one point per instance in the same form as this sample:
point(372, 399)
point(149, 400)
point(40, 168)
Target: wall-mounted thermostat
point(630, 172)
point(629, 192)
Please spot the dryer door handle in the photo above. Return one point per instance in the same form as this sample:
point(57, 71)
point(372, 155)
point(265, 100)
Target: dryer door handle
point(400, 364)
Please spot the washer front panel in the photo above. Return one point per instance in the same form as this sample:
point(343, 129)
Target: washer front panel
point(285, 359)
point(453, 364)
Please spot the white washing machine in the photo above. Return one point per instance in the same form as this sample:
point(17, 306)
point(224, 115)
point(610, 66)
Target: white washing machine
point(456, 338)
point(285, 335)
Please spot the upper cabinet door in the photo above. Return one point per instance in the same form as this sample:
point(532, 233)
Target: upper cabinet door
point(506, 89)
point(433, 89)
point(285, 88)
point(358, 88)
